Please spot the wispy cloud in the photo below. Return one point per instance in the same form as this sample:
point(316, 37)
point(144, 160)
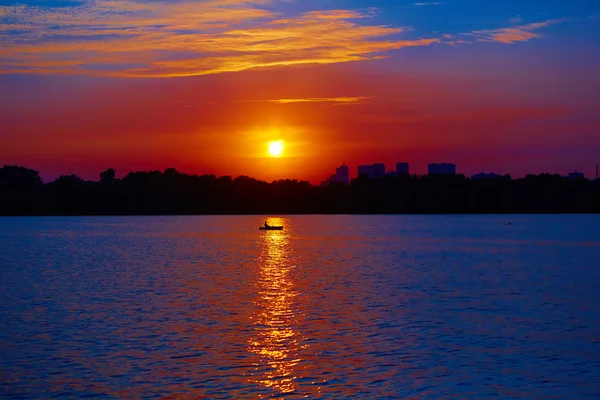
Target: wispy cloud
point(157, 38)
point(433, 3)
point(515, 20)
point(337, 100)
point(522, 33)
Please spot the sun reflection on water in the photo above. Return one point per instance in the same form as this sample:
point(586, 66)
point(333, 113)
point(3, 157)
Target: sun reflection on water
point(275, 338)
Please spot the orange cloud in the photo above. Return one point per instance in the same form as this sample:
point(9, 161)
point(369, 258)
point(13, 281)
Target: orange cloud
point(132, 39)
point(337, 100)
point(512, 35)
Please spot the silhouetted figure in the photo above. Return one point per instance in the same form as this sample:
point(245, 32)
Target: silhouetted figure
point(266, 225)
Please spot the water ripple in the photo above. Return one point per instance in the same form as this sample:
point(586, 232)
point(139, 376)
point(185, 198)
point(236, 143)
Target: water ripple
point(330, 307)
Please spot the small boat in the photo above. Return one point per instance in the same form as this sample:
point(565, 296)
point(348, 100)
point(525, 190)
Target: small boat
point(270, 228)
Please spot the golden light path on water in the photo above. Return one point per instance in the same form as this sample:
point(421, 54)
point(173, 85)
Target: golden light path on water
point(275, 339)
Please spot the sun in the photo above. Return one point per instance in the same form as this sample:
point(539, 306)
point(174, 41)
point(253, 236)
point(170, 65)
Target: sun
point(276, 148)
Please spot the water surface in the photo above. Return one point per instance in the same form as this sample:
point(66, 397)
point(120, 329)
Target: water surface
point(421, 307)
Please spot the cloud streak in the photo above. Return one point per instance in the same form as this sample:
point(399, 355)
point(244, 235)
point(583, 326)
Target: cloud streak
point(128, 38)
point(336, 100)
point(522, 33)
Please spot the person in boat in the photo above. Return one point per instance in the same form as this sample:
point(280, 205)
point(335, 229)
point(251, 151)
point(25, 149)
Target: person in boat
point(266, 225)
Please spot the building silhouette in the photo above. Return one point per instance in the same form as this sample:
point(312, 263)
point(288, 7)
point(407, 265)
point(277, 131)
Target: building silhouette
point(372, 171)
point(444, 168)
point(342, 175)
point(402, 168)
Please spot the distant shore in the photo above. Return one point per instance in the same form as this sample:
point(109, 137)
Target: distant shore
point(22, 192)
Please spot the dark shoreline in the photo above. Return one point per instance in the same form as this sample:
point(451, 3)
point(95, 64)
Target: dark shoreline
point(23, 193)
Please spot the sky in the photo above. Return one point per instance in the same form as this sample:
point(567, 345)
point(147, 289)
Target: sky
point(510, 87)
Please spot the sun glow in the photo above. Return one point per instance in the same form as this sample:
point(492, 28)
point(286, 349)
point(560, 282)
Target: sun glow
point(276, 148)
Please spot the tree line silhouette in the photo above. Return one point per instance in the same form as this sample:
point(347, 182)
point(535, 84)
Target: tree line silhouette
point(23, 192)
